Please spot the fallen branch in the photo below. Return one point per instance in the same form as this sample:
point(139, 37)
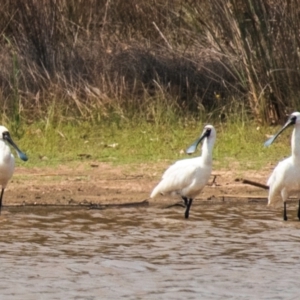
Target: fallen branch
point(214, 182)
point(129, 204)
point(257, 184)
point(180, 203)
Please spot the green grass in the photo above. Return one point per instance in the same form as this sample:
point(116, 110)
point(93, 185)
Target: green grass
point(239, 144)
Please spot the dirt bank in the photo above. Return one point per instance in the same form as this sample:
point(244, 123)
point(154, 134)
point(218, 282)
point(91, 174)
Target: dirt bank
point(104, 183)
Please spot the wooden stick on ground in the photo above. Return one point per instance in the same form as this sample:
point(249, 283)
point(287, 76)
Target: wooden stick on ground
point(180, 203)
point(129, 204)
point(257, 184)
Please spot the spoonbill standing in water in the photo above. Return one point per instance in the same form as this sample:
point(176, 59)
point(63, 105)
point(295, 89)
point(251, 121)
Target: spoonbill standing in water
point(7, 160)
point(285, 178)
point(188, 177)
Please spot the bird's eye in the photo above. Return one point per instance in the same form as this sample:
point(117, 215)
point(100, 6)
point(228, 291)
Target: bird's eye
point(294, 119)
point(208, 131)
point(5, 134)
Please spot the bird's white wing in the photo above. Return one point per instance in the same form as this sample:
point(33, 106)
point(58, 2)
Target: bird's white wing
point(280, 179)
point(278, 173)
point(180, 164)
point(272, 178)
point(177, 176)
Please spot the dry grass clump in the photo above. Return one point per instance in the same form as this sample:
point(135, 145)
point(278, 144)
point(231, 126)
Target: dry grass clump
point(263, 37)
point(91, 57)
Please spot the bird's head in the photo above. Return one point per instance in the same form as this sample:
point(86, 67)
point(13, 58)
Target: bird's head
point(5, 136)
point(294, 119)
point(209, 132)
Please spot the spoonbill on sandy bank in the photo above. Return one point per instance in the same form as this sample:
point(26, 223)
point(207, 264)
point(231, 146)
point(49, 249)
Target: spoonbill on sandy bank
point(285, 178)
point(7, 160)
point(188, 177)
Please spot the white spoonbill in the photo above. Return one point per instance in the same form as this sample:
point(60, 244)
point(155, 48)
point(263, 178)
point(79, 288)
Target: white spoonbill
point(7, 160)
point(285, 179)
point(188, 177)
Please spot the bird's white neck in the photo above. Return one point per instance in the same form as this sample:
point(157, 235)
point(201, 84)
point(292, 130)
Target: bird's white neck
point(207, 149)
point(295, 142)
point(4, 151)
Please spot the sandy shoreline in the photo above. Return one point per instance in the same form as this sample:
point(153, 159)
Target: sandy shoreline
point(103, 183)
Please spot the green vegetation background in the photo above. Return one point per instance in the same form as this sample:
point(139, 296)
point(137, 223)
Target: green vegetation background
point(135, 81)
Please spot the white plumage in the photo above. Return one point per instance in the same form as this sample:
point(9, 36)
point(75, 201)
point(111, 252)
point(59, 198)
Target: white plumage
point(7, 160)
point(285, 179)
point(187, 177)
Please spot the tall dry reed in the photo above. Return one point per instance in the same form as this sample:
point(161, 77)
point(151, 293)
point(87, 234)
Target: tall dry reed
point(98, 56)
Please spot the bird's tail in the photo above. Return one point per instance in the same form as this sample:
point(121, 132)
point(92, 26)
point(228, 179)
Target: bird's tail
point(155, 191)
point(274, 200)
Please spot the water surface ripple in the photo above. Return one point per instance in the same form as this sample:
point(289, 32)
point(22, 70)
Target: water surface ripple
point(222, 251)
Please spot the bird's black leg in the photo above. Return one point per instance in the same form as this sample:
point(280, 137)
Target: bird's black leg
point(284, 211)
point(1, 196)
point(299, 210)
point(187, 211)
point(185, 199)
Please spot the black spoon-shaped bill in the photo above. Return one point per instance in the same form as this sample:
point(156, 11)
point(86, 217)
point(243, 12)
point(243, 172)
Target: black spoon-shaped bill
point(21, 154)
point(270, 140)
point(191, 149)
point(274, 137)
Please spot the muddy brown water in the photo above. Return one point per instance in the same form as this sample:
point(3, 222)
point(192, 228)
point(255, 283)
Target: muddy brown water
point(224, 251)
